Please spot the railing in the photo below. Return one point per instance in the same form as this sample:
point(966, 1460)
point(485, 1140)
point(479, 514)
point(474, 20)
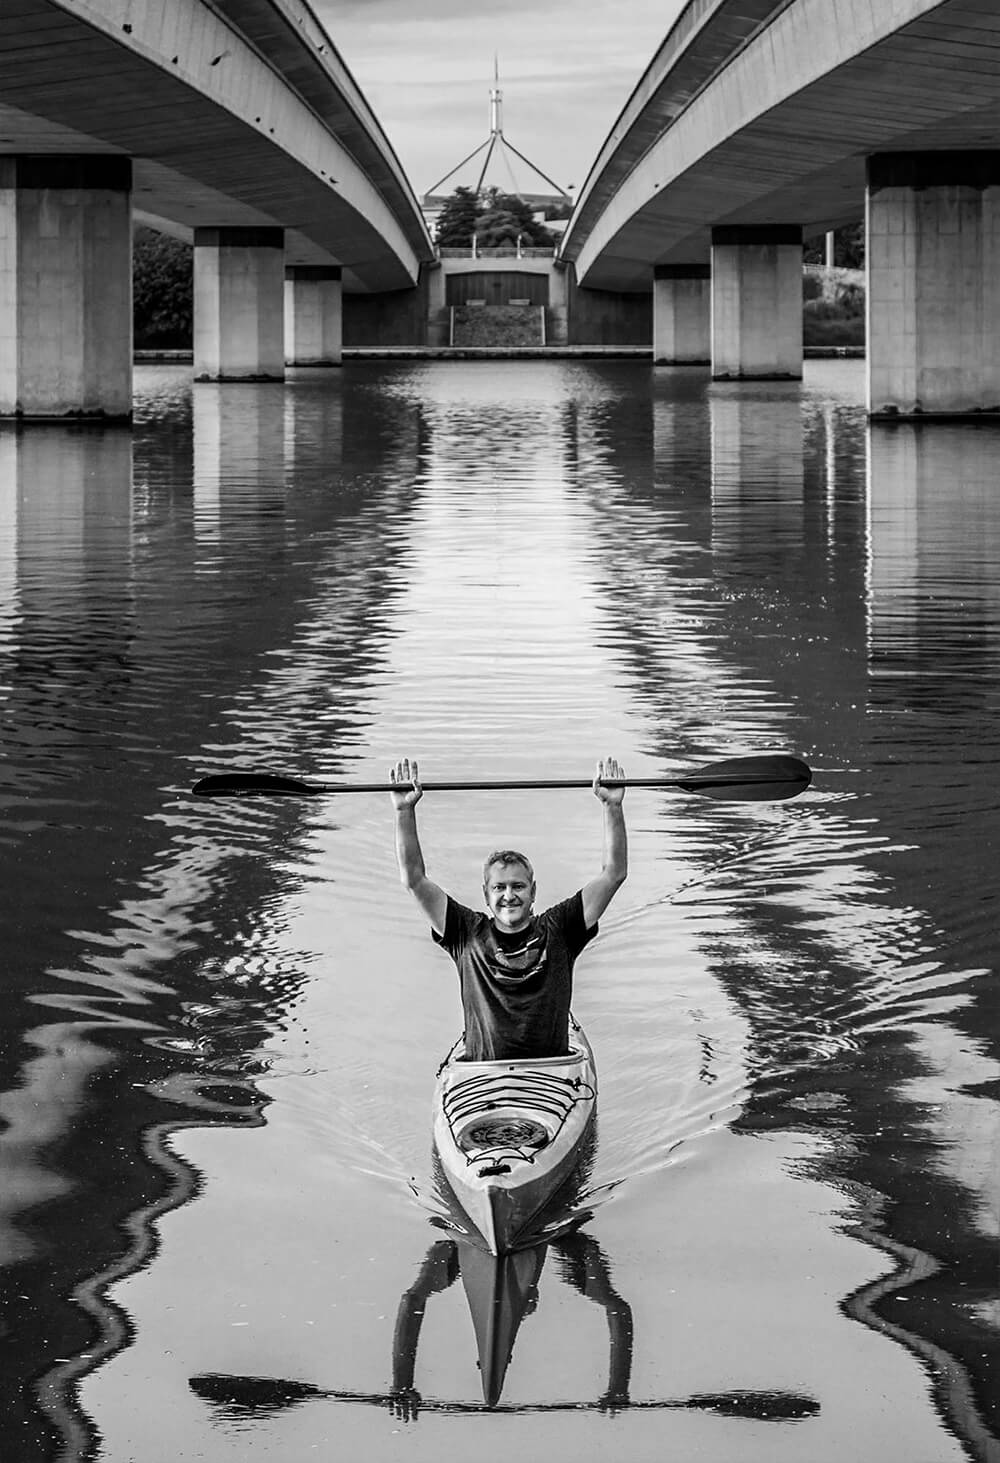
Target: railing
point(500, 251)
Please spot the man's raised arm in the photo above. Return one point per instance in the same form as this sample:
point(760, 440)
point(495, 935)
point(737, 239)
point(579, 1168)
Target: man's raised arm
point(407, 794)
point(598, 894)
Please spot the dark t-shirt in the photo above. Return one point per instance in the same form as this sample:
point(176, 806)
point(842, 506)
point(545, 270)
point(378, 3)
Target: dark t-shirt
point(516, 989)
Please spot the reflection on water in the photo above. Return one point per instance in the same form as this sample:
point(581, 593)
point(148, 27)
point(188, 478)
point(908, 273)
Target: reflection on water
point(220, 1019)
point(501, 1292)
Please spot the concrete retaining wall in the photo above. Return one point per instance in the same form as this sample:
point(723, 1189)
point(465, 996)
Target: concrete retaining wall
point(574, 317)
point(398, 317)
point(600, 317)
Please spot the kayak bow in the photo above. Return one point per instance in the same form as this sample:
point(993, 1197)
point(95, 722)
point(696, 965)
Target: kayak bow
point(509, 1132)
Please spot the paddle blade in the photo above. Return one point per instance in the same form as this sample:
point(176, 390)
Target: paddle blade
point(249, 784)
point(252, 1394)
point(750, 779)
point(761, 1406)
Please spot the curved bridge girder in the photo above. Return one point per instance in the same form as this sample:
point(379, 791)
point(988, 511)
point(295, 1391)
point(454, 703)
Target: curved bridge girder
point(236, 113)
point(764, 112)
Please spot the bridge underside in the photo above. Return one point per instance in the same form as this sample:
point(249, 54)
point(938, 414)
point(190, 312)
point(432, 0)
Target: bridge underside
point(933, 85)
point(243, 152)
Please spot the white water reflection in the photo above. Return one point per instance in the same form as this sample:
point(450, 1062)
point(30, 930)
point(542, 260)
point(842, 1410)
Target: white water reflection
point(508, 570)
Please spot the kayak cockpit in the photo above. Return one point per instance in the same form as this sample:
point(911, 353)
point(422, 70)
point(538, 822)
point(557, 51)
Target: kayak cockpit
point(507, 1132)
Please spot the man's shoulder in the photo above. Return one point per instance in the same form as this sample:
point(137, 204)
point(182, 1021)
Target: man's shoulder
point(565, 911)
point(468, 915)
point(462, 924)
point(565, 921)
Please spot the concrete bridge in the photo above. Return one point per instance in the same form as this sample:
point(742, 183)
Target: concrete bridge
point(759, 122)
point(231, 122)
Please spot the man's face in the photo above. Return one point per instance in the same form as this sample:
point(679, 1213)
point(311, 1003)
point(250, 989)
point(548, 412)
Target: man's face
point(509, 892)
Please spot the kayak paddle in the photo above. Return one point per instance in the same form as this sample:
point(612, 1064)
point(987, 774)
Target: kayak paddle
point(266, 1394)
point(737, 779)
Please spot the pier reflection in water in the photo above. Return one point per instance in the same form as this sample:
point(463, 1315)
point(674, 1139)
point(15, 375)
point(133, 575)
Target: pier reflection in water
point(219, 1021)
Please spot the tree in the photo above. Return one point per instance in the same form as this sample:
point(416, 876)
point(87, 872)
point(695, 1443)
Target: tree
point(162, 290)
point(495, 218)
point(507, 215)
point(848, 247)
point(497, 227)
point(457, 220)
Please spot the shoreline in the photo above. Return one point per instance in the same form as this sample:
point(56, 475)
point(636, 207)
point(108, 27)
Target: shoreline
point(498, 353)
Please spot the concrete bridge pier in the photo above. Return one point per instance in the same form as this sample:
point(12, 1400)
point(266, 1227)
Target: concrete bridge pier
point(933, 297)
point(682, 314)
point(314, 333)
point(757, 302)
point(66, 286)
point(239, 304)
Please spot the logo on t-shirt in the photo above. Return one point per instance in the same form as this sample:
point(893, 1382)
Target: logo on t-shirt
point(514, 958)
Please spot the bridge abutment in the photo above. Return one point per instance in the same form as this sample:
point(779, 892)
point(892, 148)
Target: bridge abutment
point(239, 304)
point(681, 314)
point(933, 275)
point(66, 286)
point(756, 302)
point(314, 315)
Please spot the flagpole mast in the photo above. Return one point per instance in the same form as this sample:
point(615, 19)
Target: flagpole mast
point(496, 102)
point(495, 139)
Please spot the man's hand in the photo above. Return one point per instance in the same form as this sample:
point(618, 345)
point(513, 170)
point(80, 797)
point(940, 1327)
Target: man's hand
point(614, 770)
point(407, 775)
point(613, 1402)
point(404, 1403)
point(597, 895)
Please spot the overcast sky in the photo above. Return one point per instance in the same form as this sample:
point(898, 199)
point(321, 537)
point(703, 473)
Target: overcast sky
point(567, 68)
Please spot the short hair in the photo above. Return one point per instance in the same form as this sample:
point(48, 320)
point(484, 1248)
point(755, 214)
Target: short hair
point(506, 856)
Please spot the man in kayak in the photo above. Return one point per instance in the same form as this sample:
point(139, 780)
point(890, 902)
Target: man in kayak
point(515, 967)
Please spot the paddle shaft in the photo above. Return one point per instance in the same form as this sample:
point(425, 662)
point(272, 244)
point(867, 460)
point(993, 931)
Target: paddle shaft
point(533, 783)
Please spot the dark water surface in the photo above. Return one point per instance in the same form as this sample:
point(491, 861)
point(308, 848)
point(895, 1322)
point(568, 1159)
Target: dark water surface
point(221, 1020)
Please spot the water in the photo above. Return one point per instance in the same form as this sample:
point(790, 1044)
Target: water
point(221, 1019)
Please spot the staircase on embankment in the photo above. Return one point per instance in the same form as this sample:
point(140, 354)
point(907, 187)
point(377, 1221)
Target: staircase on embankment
point(497, 327)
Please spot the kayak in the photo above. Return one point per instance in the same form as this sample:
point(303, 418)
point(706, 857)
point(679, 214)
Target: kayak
point(509, 1133)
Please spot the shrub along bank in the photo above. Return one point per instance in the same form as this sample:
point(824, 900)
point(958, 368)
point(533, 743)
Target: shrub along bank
point(833, 308)
point(833, 301)
point(162, 291)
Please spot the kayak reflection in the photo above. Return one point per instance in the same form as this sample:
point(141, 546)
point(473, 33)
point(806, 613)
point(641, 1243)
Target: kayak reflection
point(501, 1290)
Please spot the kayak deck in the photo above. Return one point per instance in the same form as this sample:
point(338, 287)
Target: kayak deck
point(508, 1132)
